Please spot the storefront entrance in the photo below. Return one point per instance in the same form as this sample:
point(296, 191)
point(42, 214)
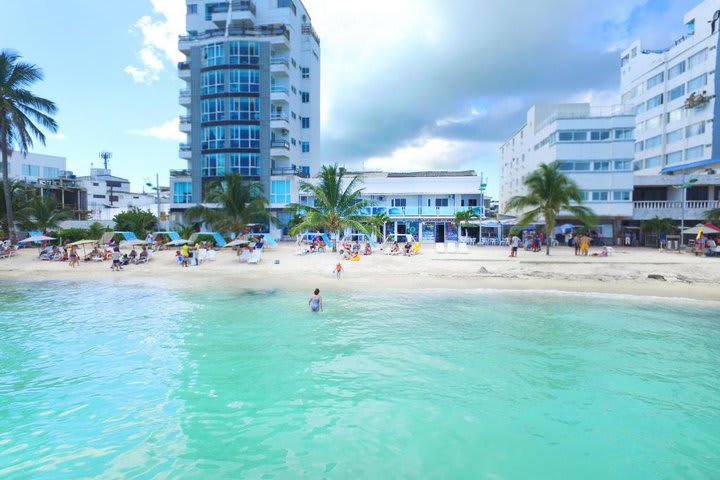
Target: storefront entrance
point(440, 233)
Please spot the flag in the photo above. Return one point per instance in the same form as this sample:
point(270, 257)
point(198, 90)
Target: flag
point(700, 232)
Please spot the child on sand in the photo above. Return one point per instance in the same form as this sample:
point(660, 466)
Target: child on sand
point(338, 270)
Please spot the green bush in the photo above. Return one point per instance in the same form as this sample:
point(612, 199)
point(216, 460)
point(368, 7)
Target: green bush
point(72, 235)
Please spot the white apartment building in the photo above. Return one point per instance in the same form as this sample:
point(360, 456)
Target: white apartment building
point(594, 146)
point(35, 166)
point(252, 97)
point(677, 140)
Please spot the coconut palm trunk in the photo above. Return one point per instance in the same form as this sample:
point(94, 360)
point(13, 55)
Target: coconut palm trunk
point(12, 232)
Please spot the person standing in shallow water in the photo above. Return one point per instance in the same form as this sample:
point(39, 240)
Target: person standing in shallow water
point(316, 302)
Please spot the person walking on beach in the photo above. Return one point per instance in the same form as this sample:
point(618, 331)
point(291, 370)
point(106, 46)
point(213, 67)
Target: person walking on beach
point(514, 244)
point(316, 302)
point(576, 243)
point(116, 260)
point(338, 270)
point(584, 245)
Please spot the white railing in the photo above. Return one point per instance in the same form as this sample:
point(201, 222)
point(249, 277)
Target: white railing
point(689, 205)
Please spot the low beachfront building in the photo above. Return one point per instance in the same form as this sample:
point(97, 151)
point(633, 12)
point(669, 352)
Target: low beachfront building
point(594, 147)
point(421, 204)
point(673, 92)
point(34, 166)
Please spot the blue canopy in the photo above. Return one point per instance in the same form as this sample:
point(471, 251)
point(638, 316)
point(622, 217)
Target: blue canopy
point(686, 166)
point(171, 235)
point(127, 235)
point(269, 240)
point(219, 240)
point(311, 236)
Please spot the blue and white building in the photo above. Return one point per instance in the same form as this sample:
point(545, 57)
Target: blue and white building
point(252, 97)
point(34, 166)
point(673, 93)
point(594, 146)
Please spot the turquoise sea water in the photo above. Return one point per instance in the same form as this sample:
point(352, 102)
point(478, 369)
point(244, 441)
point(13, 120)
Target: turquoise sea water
point(107, 382)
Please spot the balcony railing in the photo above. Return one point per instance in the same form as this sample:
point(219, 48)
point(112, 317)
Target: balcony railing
point(185, 120)
point(185, 147)
point(237, 6)
point(185, 93)
point(290, 171)
point(280, 144)
point(180, 173)
point(435, 212)
point(183, 65)
point(279, 116)
point(280, 61)
point(278, 89)
point(260, 31)
point(689, 205)
point(308, 29)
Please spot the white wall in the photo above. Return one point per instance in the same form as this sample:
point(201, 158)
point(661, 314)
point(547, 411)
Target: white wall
point(39, 162)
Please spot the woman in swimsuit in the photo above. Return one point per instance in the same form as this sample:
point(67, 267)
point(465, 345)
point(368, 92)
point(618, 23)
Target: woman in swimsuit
point(315, 302)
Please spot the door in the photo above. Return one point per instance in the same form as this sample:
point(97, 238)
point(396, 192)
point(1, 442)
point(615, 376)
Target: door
point(401, 229)
point(440, 233)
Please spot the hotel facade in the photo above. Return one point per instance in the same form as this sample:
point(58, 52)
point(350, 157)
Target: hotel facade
point(252, 98)
point(594, 147)
point(677, 141)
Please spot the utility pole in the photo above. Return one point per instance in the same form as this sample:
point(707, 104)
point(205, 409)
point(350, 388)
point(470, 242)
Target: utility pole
point(684, 187)
point(157, 192)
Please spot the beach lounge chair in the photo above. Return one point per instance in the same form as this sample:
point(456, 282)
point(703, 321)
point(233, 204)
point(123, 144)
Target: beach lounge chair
point(463, 248)
point(416, 248)
point(255, 257)
point(245, 256)
point(439, 248)
point(451, 247)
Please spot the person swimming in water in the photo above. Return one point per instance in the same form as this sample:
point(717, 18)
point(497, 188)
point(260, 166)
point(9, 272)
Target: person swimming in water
point(315, 302)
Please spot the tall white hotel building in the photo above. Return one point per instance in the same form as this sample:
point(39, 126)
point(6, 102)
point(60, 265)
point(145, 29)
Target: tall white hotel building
point(676, 137)
point(252, 96)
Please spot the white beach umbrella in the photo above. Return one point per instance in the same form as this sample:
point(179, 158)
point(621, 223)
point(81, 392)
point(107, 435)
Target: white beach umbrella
point(237, 243)
point(37, 238)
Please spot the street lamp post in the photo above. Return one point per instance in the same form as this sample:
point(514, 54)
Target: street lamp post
point(156, 187)
point(684, 187)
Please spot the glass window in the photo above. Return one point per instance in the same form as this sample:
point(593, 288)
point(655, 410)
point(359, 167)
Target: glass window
point(398, 202)
point(246, 164)
point(695, 152)
point(582, 166)
point(655, 101)
point(624, 134)
point(565, 166)
point(622, 165)
point(565, 136)
point(674, 136)
point(600, 135)
point(305, 122)
point(676, 70)
point(182, 192)
point(245, 108)
point(697, 59)
point(305, 97)
point(655, 80)
point(51, 172)
point(244, 53)
point(695, 129)
point(280, 191)
point(627, 96)
point(653, 161)
point(639, 146)
point(31, 170)
point(676, 92)
point(213, 55)
point(246, 81)
point(191, 10)
point(212, 82)
point(673, 158)
point(599, 196)
point(213, 137)
point(213, 165)
point(637, 165)
point(697, 83)
point(621, 196)
point(653, 122)
point(579, 136)
point(675, 115)
point(305, 146)
point(441, 202)
point(653, 142)
point(212, 110)
point(639, 108)
point(244, 136)
point(601, 166)
point(305, 72)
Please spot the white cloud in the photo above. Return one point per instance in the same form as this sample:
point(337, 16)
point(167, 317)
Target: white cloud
point(430, 154)
point(160, 36)
point(169, 130)
point(56, 136)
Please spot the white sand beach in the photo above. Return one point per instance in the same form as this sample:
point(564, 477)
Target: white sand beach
point(626, 272)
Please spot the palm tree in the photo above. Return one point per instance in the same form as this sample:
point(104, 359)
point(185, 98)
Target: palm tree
point(464, 217)
point(20, 194)
point(375, 224)
point(658, 226)
point(135, 220)
point(43, 214)
point(185, 231)
point(713, 215)
point(550, 192)
point(336, 205)
point(239, 203)
point(20, 110)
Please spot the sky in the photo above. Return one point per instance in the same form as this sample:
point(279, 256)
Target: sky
point(406, 84)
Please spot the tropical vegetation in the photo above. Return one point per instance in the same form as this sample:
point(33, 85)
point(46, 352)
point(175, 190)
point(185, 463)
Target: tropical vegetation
point(22, 115)
point(20, 194)
point(42, 214)
point(375, 224)
point(713, 215)
point(658, 226)
point(135, 220)
point(338, 201)
point(239, 203)
point(549, 193)
point(463, 218)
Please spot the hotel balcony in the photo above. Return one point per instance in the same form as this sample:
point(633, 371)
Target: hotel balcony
point(184, 70)
point(185, 124)
point(277, 33)
point(280, 66)
point(290, 171)
point(280, 148)
point(279, 94)
point(279, 120)
point(419, 212)
point(694, 209)
point(185, 151)
point(185, 97)
point(242, 14)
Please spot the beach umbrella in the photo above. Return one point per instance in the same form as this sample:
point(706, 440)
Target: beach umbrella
point(81, 242)
point(237, 243)
point(133, 242)
point(37, 238)
point(177, 243)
